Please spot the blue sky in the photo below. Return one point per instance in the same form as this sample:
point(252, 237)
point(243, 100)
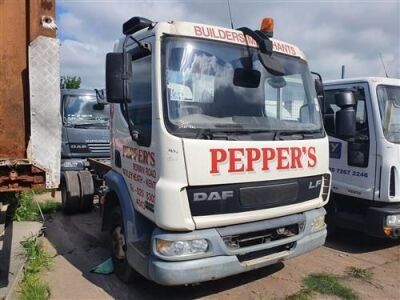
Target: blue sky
point(331, 33)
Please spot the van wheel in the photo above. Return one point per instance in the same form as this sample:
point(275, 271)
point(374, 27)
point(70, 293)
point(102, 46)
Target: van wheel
point(331, 211)
point(118, 242)
point(86, 191)
point(70, 193)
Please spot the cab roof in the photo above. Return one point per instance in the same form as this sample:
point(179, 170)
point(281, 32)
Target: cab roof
point(210, 32)
point(373, 80)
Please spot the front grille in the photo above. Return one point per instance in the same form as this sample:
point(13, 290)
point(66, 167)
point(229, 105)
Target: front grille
point(326, 186)
point(249, 239)
point(265, 252)
point(241, 197)
point(99, 147)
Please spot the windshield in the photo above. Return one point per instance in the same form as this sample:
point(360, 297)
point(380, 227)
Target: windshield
point(84, 110)
point(389, 105)
point(201, 93)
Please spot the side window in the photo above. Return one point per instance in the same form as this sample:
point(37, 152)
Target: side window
point(361, 113)
point(358, 147)
point(140, 107)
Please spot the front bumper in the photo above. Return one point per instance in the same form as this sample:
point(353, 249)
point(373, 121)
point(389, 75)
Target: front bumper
point(376, 221)
point(221, 261)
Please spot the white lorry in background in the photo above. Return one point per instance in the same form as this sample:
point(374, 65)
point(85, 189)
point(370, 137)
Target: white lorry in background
point(362, 119)
point(219, 158)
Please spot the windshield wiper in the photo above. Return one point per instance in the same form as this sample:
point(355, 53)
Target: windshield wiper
point(209, 134)
point(302, 134)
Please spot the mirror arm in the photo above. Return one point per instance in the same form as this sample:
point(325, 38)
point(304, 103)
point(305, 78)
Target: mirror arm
point(125, 77)
point(144, 46)
point(263, 41)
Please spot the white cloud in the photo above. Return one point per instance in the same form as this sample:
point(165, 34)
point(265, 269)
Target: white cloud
point(330, 33)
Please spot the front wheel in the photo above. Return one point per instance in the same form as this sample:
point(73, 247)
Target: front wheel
point(331, 210)
point(119, 246)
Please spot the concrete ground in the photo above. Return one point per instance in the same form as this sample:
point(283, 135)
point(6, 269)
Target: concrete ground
point(79, 246)
point(12, 255)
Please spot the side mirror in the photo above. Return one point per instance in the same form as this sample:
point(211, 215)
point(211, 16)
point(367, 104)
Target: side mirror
point(319, 87)
point(118, 73)
point(101, 96)
point(247, 78)
point(345, 121)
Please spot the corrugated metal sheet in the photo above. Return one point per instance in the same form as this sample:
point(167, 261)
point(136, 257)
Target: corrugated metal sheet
point(44, 77)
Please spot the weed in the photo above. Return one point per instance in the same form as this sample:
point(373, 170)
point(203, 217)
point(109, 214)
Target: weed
point(36, 256)
point(303, 294)
point(328, 284)
point(359, 273)
point(33, 289)
point(28, 210)
point(49, 207)
point(41, 192)
point(36, 259)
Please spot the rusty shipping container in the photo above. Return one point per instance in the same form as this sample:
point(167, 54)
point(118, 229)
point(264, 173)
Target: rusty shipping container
point(29, 95)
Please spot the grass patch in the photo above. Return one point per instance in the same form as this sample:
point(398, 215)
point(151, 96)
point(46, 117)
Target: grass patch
point(41, 192)
point(328, 284)
point(32, 287)
point(359, 273)
point(28, 210)
point(49, 207)
point(304, 294)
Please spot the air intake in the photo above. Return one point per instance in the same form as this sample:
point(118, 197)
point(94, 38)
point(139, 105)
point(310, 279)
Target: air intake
point(392, 186)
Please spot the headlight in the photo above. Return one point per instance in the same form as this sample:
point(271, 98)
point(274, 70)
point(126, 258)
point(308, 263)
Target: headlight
point(180, 248)
point(73, 164)
point(393, 220)
point(318, 224)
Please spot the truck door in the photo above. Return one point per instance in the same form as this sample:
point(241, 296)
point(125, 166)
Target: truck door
point(137, 158)
point(352, 161)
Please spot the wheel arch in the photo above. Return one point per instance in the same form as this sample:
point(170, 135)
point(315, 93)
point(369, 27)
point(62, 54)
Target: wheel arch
point(136, 225)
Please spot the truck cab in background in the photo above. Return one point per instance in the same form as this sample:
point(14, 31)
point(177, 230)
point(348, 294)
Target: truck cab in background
point(85, 130)
point(85, 134)
point(362, 119)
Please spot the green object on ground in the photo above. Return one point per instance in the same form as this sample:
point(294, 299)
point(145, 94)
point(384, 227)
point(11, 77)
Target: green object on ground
point(329, 284)
point(105, 268)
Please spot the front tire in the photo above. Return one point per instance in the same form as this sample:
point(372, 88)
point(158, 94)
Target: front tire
point(331, 211)
point(86, 191)
point(119, 246)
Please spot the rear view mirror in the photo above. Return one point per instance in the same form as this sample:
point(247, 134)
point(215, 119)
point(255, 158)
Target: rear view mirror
point(345, 121)
point(272, 65)
point(118, 73)
point(248, 78)
point(98, 106)
point(277, 82)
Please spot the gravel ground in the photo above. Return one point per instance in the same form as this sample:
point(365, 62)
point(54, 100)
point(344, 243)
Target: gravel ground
point(79, 245)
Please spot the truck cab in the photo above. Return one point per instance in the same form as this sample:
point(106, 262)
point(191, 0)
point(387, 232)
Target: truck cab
point(364, 154)
point(219, 160)
point(85, 129)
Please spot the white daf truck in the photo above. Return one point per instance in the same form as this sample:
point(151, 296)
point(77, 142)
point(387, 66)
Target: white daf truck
point(219, 158)
point(362, 119)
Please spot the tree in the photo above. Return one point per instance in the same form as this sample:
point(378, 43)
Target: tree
point(70, 82)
